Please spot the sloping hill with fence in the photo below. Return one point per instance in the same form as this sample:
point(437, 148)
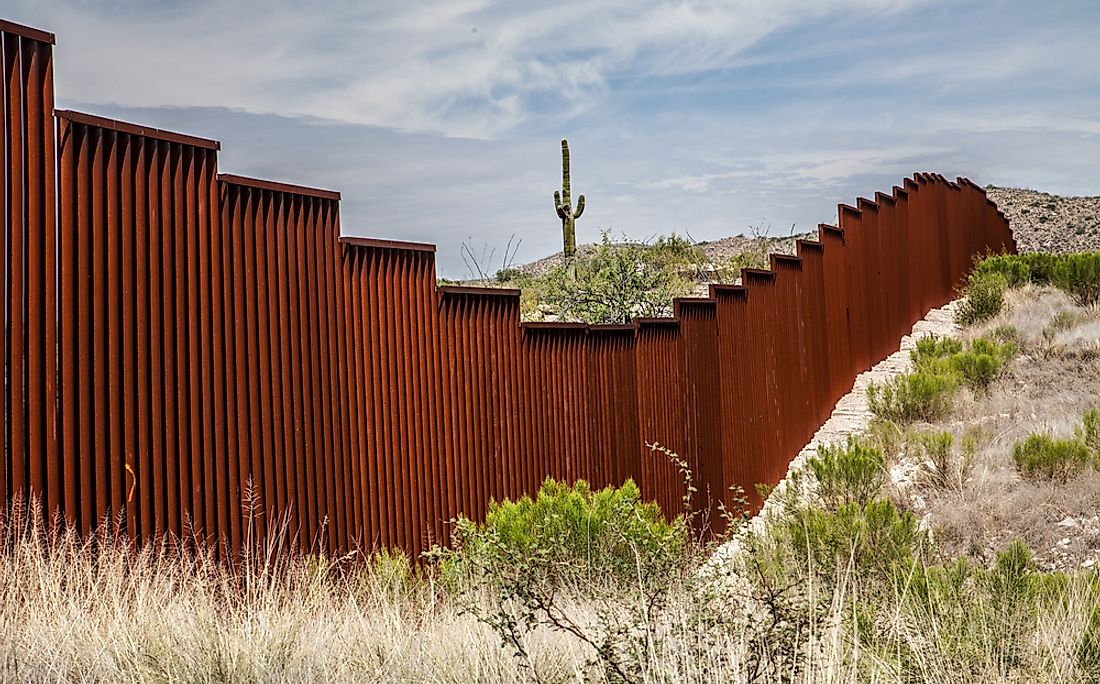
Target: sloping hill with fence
point(203, 354)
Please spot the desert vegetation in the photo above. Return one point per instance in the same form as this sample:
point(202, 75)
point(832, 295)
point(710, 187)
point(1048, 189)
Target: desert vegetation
point(618, 279)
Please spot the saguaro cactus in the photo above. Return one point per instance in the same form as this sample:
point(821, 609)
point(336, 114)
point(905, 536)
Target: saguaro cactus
point(565, 209)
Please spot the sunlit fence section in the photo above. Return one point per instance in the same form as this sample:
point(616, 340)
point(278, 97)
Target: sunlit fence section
point(205, 355)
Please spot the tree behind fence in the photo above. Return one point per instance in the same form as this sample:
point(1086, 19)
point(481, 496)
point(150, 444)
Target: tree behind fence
point(203, 354)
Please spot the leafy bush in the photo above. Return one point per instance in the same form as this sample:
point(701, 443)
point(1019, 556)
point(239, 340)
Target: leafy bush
point(919, 395)
point(1089, 434)
point(618, 282)
point(569, 533)
point(1079, 275)
point(984, 298)
point(870, 540)
point(912, 396)
point(983, 616)
point(1013, 268)
point(982, 362)
point(978, 362)
point(1041, 457)
point(850, 474)
point(941, 366)
point(935, 447)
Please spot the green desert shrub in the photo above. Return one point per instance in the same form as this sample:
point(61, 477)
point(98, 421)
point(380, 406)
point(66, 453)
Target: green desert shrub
point(616, 282)
point(935, 450)
point(1079, 275)
point(867, 540)
point(984, 297)
point(853, 473)
point(977, 362)
point(941, 366)
point(982, 362)
point(1040, 457)
point(984, 616)
point(1088, 432)
point(1013, 268)
point(918, 395)
point(568, 533)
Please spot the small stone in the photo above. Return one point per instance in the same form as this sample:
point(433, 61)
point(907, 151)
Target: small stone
point(1067, 522)
point(1088, 562)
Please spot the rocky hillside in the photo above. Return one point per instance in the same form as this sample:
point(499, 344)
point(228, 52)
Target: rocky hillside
point(1049, 223)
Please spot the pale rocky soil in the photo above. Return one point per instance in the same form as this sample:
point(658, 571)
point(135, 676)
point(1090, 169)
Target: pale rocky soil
point(1042, 222)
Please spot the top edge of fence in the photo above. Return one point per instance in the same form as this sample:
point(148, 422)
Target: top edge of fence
point(276, 186)
point(784, 258)
point(804, 243)
point(656, 321)
point(455, 290)
point(85, 119)
point(726, 288)
point(757, 273)
point(701, 302)
point(599, 328)
point(553, 326)
point(882, 197)
point(379, 243)
point(27, 32)
point(830, 228)
point(864, 203)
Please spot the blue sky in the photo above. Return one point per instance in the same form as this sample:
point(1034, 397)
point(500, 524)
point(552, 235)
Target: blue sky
point(440, 121)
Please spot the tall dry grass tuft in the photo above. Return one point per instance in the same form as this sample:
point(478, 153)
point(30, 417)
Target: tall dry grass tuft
point(101, 609)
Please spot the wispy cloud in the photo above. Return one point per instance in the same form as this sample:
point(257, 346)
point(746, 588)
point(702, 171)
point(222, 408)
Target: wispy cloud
point(460, 68)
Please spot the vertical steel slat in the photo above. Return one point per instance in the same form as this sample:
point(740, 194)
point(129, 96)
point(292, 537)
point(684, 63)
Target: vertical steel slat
point(99, 396)
point(5, 361)
point(128, 326)
point(277, 475)
point(192, 305)
point(16, 235)
point(328, 237)
point(211, 455)
point(296, 330)
point(36, 229)
point(113, 301)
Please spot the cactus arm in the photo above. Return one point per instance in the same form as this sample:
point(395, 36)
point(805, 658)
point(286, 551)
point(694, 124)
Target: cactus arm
point(559, 206)
point(580, 207)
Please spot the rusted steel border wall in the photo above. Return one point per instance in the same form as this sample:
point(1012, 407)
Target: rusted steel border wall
point(204, 355)
point(29, 389)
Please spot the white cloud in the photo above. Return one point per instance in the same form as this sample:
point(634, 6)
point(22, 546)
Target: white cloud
point(461, 68)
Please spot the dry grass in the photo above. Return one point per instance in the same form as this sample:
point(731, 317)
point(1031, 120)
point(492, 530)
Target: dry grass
point(99, 611)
